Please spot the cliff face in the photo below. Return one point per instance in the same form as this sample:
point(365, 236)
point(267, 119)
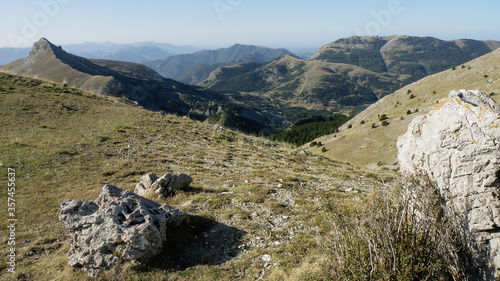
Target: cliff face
point(457, 144)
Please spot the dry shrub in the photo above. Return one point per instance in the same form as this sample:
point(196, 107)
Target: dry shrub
point(400, 232)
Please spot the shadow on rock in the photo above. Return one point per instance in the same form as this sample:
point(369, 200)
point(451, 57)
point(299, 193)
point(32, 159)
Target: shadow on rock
point(200, 241)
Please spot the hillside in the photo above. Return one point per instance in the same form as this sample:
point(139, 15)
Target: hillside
point(119, 79)
point(416, 57)
point(363, 144)
point(174, 66)
point(257, 208)
point(290, 81)
point(138, 84)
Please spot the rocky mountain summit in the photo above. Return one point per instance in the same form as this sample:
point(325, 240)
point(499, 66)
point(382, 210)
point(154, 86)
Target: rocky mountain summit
point(457, 144)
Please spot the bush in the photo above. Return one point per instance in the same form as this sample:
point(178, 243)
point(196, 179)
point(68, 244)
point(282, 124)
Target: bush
point(408, 112)
point(383, 117)
point(412, 96)
point(374, 126)
point(323, 149)
point(385, 123)
point(400, 233)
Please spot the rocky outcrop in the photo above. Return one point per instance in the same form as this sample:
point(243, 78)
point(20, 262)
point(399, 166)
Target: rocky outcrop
point(118, 228)
point(457, 145)
point(164, 186)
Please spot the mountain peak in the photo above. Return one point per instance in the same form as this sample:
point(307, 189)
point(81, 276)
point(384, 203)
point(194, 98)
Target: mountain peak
point(42, 46)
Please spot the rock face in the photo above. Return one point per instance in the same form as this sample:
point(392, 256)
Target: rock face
point(119, 227)
point(164, 186)
point(458, 146)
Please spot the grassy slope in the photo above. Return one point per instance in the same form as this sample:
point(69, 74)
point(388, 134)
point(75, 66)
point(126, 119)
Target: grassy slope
point(363, 145)
point(66, 144)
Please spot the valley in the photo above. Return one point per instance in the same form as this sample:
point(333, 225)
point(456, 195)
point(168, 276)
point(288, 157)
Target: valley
point(300, 207)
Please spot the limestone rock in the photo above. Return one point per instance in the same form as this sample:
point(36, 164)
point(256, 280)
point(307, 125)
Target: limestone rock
point(142, 188)
point(457, 145)
point(164, 186)
point(119, 227)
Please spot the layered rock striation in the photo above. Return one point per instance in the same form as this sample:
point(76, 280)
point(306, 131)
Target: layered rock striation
point(457, 144)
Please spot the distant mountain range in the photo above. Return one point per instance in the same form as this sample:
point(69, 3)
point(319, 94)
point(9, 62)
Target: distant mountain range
point(259, 88)
point(136, 52)
point(195, 67)
point(291, 81)
point(137, 83)
point(348, 74)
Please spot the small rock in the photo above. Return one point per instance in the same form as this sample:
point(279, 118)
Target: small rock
point(266, 258)
point(163, 186)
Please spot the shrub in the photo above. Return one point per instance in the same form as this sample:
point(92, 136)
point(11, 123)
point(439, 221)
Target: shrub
point(383, 117)
point(349, 127)
point(323, 149)
point(385, 123)
point(408, 112)
point(374, 126)
point(313, 144)
point(412, 96)
point(362, 122)
point(400, 233)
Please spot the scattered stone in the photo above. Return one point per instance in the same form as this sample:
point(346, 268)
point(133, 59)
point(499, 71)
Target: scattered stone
point(458, 146)
point(266, 258)
point(164, 186)
point(118, 228)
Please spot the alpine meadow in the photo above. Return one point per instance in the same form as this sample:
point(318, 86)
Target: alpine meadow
point(265, 141)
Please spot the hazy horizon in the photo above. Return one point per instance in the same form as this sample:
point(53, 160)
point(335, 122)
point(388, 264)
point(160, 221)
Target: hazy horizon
point(223, 23)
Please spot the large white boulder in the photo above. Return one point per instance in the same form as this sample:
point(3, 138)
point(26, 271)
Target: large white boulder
point(457, 144)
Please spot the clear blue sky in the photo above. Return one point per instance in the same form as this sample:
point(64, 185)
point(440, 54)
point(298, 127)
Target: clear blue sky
point(221, 23)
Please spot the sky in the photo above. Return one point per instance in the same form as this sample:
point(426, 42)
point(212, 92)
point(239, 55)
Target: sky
point(222, 23)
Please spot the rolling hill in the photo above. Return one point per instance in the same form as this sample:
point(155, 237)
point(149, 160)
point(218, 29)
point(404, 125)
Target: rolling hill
point(174, 66)
point(369, 142)
point(317, 85)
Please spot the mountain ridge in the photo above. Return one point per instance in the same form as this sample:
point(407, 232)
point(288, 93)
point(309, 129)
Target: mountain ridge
point(403, 54)
point(364, 140)
point(174, 66)
point(311, 84)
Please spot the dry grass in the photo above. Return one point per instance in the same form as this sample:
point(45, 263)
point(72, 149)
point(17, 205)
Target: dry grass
point(364, 145)
point(66, 144)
